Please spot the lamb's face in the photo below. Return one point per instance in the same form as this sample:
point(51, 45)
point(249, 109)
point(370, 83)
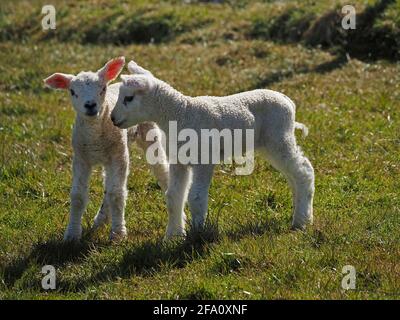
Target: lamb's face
point(87, 89)
point(131, 107)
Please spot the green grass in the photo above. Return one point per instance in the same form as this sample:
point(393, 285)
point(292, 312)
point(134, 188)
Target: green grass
point(248, 251)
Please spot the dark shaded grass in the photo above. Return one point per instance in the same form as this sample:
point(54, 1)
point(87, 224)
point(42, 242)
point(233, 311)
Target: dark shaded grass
point(265, 81)
point(370, 42)
point(366, 42)
point(290, 26)
point(119, 26)
point(48, 252)
point(144, 259)
point(150, 257)
point(153, 23)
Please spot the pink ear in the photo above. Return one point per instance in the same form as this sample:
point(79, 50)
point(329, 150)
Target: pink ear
point(58, 81)
point(113, 68)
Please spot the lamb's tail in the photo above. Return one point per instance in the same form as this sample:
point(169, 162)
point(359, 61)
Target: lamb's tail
point(302, 127)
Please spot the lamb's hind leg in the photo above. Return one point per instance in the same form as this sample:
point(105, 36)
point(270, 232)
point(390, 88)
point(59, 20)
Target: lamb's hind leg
point(161, 171)
point(198, 194)
point(286, 156)
point(159, 166)
point(176, 197)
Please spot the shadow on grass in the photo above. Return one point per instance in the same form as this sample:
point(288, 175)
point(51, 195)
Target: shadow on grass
point(369, 41)
point(269, 79)
point(150, 257)
point(366, 43)
point(144, 259)
point(49, 252)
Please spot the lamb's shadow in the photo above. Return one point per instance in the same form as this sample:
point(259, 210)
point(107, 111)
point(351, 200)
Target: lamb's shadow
point(144, 259)
point(48, 252)
point(149, 257)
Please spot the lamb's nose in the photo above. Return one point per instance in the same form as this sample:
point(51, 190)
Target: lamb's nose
point(90, 105)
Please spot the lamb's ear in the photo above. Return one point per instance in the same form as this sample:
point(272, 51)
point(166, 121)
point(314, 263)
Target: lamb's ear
point(112, 69)
point(58, 81)
point(134, 68)
point(140, 83)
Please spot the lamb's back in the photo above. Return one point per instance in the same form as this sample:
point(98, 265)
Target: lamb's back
point(239, 110)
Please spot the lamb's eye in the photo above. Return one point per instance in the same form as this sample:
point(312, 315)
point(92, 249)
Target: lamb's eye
point(72, 92)
point(103, 90)
point(128, 99)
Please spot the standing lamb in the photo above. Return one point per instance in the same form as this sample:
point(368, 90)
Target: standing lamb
point(96, 141)
point(270, 114)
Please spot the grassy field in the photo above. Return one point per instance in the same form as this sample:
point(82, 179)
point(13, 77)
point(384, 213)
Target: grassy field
point(347, 89)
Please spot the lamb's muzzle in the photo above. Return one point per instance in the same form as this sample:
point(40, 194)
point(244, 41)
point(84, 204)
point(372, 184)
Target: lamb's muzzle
point(91, 108)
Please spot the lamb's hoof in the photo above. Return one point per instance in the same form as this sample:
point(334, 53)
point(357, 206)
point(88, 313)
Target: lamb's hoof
point(296, 225)
point(98, 223)
point(120, 235)
point(72, 235)
point(177, 235)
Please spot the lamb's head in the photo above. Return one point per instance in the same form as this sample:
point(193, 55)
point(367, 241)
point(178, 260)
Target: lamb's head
point(87, 89)
point(134, 99)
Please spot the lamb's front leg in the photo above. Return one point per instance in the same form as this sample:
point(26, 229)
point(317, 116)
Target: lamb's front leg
point(115, 196)
point(79, 198)
point(198, 194)
point(176, 195)
point(103, 216)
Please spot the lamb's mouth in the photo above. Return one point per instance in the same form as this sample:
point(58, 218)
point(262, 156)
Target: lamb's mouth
point(92, 113)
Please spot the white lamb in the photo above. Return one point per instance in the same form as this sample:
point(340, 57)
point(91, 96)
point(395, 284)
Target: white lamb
point(271, 114)
point(96, 141)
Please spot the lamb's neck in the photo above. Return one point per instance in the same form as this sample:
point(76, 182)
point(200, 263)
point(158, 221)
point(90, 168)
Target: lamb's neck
point(171, 105)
